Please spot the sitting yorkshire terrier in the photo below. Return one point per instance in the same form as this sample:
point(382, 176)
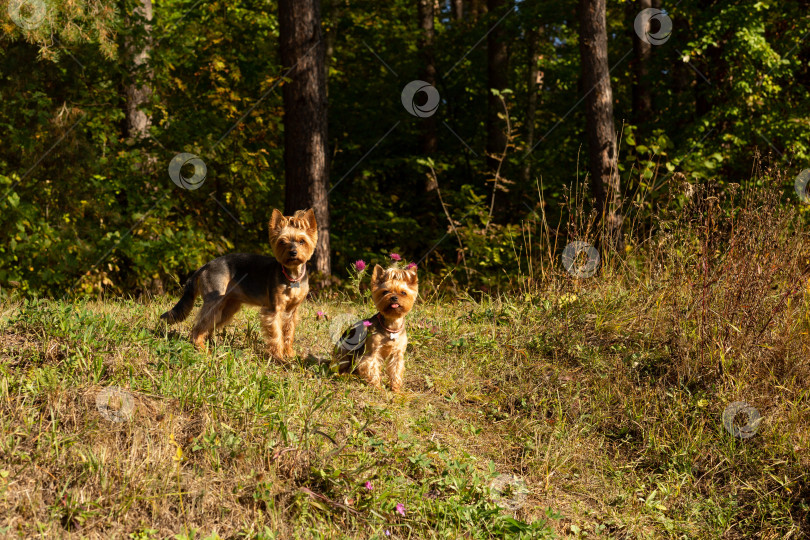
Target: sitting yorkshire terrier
point(381, 338)
point(277, 285)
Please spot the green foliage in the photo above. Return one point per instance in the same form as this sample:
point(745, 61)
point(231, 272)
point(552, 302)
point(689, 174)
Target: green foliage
point(84, 208)
point(49, 23)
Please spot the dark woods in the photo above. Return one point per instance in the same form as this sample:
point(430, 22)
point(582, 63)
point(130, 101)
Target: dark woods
point(139, 140)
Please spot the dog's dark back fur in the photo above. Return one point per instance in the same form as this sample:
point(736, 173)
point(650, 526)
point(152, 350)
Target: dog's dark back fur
point(250, 276)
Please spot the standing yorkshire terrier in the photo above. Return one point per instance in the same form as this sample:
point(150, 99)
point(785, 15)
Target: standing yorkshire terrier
point(277, 285)
point(381, 338)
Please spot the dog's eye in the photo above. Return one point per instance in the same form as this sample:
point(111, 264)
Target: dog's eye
point(403, 293)
point(301, 242)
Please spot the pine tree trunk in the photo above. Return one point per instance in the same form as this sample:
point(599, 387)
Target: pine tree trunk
point(306, 167)
point(642, 52)
point(497, 78)
point(478, 8)
point(333, 10)
point(458, 9)
point(599, 118)
point(534, 84)
point(426, 20)
point(137, 48)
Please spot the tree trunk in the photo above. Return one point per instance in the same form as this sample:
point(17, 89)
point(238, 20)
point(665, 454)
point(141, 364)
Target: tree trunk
point(334, 12)
point(426, 17)
point(458, 9)
point(599, 118)
point(478, 8)
point(703, 101)
point(642, 52)
point(534, 83)
point(137, 47)
point(306, 168)
point(497, 78)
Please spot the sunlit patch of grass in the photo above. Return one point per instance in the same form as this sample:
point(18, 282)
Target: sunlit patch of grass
point(224, 442)
point(581, 410)
point(605, 397)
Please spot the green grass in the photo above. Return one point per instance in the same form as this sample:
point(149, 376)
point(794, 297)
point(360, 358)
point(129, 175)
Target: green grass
point(584, 393)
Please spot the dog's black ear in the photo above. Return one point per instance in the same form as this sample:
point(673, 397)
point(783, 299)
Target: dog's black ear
point(277, 221)
point(377, 274)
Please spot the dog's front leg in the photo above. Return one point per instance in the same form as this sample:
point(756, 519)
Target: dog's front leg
point(369, 369)
point(394, 367)
point(288, 330)
point(273, 336)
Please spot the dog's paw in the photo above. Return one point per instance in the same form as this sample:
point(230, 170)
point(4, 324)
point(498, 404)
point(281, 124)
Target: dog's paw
point(276, 354)
point(200, 343)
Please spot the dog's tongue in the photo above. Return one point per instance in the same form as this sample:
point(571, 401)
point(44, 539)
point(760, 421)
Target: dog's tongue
point(395, 306)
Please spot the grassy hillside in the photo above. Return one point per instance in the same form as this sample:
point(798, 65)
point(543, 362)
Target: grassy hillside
point(603, 396)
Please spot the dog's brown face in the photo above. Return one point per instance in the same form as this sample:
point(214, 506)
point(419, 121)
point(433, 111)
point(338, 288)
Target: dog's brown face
point(394, 290)
point(293, 238)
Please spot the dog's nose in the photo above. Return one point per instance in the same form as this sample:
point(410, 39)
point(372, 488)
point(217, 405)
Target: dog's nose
point(393, 299)
point(293, 252)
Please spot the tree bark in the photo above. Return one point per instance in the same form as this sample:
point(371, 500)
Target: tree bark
point(599, 118)
point(137, 48)
point(425, 14)
point(333, 12)
point(306, 167)
point(458, 9)
point(642, 53)
point(703, 102)
point(497, 78)
point(534, 83)
point(477, 9)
